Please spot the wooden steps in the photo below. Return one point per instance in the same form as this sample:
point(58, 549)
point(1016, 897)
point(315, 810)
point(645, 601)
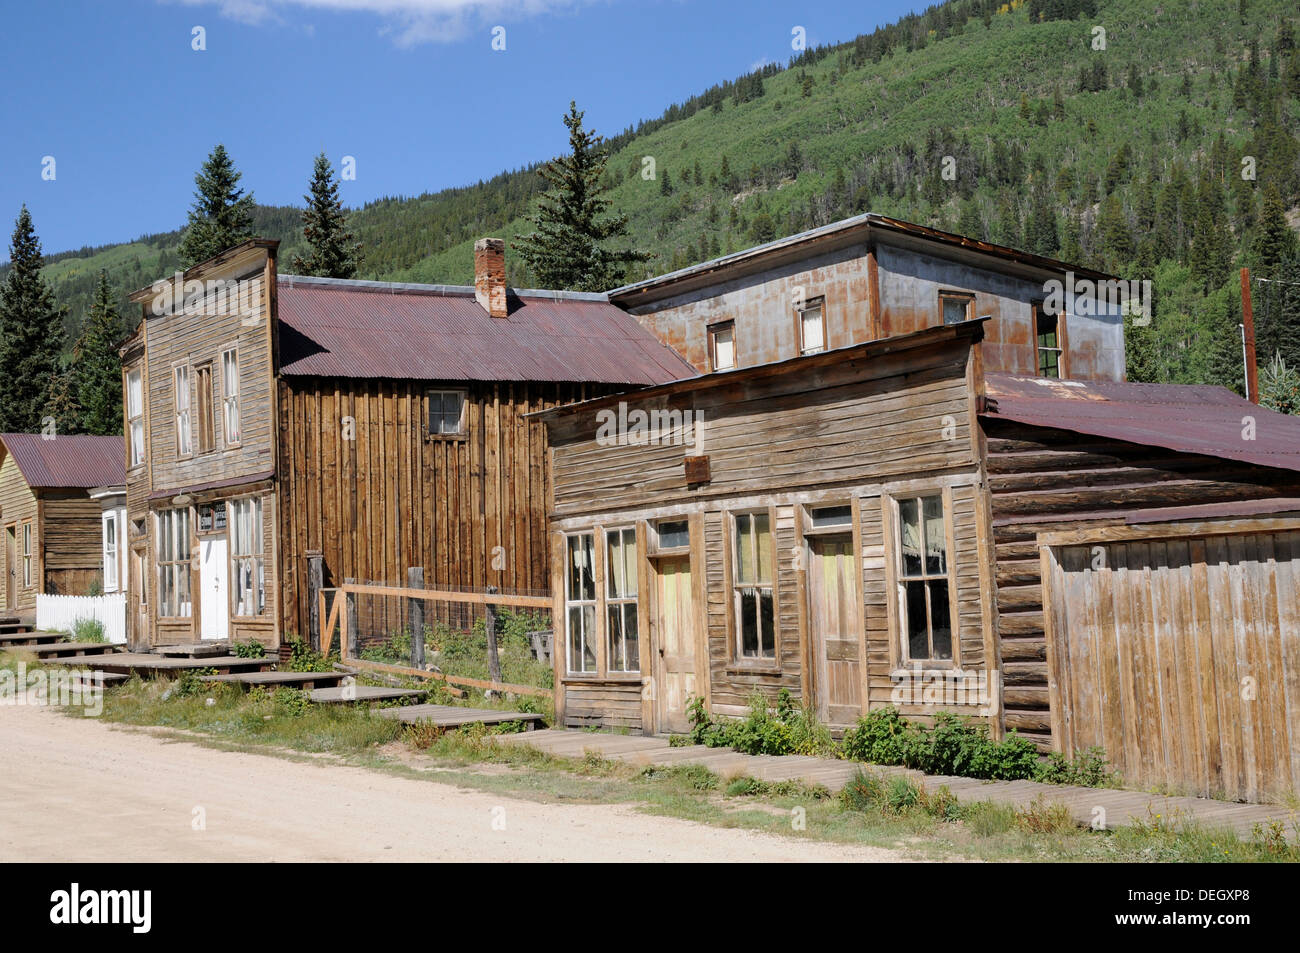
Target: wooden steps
point(49, 651)
point(348, 694)
point(304, 680)
point(453, 716)
point(149, 665)
point(194, 649)
point(11, 639)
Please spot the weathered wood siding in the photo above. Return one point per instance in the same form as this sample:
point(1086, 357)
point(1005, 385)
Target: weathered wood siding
point(1042, 480)
point(844, 430)
point(17, 505)
point(470, 510)
point(72, 538)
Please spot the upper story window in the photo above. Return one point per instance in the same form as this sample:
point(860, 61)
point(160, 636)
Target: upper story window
point(580, 603)
point(753, 587)
point(722, 346)
point(447, 412)
point(206, 423)
point(1047, 332)
point(230, 395)
point(812, 327)
point(923, 579)
point(135, 417)
point(956, 306)
point(181, 402)
point(673, 535)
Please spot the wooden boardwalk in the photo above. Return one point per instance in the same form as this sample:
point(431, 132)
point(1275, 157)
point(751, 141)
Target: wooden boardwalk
point(1121, 807)
point(345, 694)
point(454, 716)
point(304, 680)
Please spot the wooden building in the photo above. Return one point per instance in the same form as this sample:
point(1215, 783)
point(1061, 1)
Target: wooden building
point(286, 433)
point(51, 522)
point(887, 524)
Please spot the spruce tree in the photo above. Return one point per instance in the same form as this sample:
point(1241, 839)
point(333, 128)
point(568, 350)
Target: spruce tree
point(334, 251)
point(31, 338)
point(568, 248)
point(96, 371)
point(222, 215)
point(1274, 242)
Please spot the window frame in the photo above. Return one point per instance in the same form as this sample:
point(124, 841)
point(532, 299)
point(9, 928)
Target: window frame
point(1036, 315)
point(135, 446)
point(735, 624)
point(27, 536)
point(591, 637)
point(230, 398)
point(817, 304)
point(900, 648)
point(205, 408)
point(180, 562)
point(459, 433)
point(713, 330)
point(964, 296)
point(257, 557)
point(185, 434)
point(609, 600)
point(111, 558)
point(655, 541)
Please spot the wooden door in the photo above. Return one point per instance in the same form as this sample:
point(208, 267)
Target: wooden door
point(11, 566)
point(214, 601)
point(675, 632)
point(833, 630)
point(137, 583)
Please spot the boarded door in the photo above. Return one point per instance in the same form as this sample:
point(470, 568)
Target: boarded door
point(1181, 657)
point(833, 629)
point(675, 628)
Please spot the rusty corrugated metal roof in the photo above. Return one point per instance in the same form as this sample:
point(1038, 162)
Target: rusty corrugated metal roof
point(404, 332)
point(68, 460)
point(1210, 421)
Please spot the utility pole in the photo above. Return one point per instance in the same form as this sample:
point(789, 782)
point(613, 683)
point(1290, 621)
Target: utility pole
point(1248, 339)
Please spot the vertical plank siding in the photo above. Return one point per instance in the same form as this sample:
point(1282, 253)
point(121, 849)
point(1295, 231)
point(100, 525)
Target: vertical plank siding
point(1048, 480)
point(471, 510)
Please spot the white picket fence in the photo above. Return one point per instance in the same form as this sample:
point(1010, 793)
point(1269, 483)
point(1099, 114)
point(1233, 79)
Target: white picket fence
point(60, 613)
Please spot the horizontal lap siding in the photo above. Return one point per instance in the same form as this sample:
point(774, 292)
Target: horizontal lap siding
point(1044, 480)
point(17, 503)
point(613, 706)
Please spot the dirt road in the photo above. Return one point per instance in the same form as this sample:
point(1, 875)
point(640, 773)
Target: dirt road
point(74, 789)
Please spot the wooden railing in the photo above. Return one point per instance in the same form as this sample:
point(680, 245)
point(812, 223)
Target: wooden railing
point(340, 620)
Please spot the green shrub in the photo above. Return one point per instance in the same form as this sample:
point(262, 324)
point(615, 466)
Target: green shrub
point(189, 683)
point(290, 702)
point(250, 649)
point(303, 658)
point(882, 736)
point(863, 792)
point(791, 729)
point(745, 786)
point(1089, 768)
point(88, 630)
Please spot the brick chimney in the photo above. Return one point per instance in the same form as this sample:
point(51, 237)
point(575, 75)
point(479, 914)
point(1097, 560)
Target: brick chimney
point(490, 275)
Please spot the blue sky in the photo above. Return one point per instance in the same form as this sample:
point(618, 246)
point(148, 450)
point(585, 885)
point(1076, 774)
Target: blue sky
point(115, 93)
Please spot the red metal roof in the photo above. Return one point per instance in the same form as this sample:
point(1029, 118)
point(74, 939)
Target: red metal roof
point(346, 329)
point(1189, 419)
point(68, 460)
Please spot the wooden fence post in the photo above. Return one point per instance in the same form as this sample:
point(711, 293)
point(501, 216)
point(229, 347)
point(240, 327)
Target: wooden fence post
point(494, 660)
point(348, 644)
point(415, 615)
point(315, 582)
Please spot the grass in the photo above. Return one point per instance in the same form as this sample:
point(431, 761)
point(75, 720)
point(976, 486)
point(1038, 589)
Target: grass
point(873, 811)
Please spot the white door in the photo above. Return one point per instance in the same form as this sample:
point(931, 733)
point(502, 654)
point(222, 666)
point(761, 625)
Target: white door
point(215, 609)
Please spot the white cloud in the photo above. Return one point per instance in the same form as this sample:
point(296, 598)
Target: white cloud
point(408, 22)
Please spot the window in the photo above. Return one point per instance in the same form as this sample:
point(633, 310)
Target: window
point(181, 401)
point(27, 555)
point(230, 395)
point(956, 307)
point(446, 412)
point(1047, 330)
point(110, 552)
point(135, 416)
point(923, 579)
point(753, 586)
point(674, 534)
point(812, 331)
point(204, 407)
point(826, 517)
point(722, 345)
point(580, 603)
point(620, 601)
point(174, 564)
point(248, 566)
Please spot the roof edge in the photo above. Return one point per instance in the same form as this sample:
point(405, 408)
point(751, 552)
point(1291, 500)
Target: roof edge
point(457, 291)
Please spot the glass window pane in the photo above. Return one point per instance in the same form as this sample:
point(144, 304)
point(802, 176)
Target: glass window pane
point(910, 536)
point(588, 632)
point(832, 516)
point(744, 548)
point(936, 539)
point(954, 310)
point(918, 646)
point(630, 637)
point(768, 628)
point(763, 546)
point(811, 321)
point(674, 534)
point(749, 622)
point(941, 627)
point(724, 351)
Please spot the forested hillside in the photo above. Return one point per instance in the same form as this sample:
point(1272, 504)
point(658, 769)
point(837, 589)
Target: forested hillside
point(1150, 138)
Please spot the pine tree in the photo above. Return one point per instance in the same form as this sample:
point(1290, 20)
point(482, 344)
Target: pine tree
point(31, 338)
point(1274, 241)
point(96, 371)
point(568, 248)
point(334, 251)
point(222, 215)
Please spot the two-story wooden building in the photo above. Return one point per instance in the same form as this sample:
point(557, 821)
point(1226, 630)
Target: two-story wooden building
point(925, 510)
point(273, 421)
